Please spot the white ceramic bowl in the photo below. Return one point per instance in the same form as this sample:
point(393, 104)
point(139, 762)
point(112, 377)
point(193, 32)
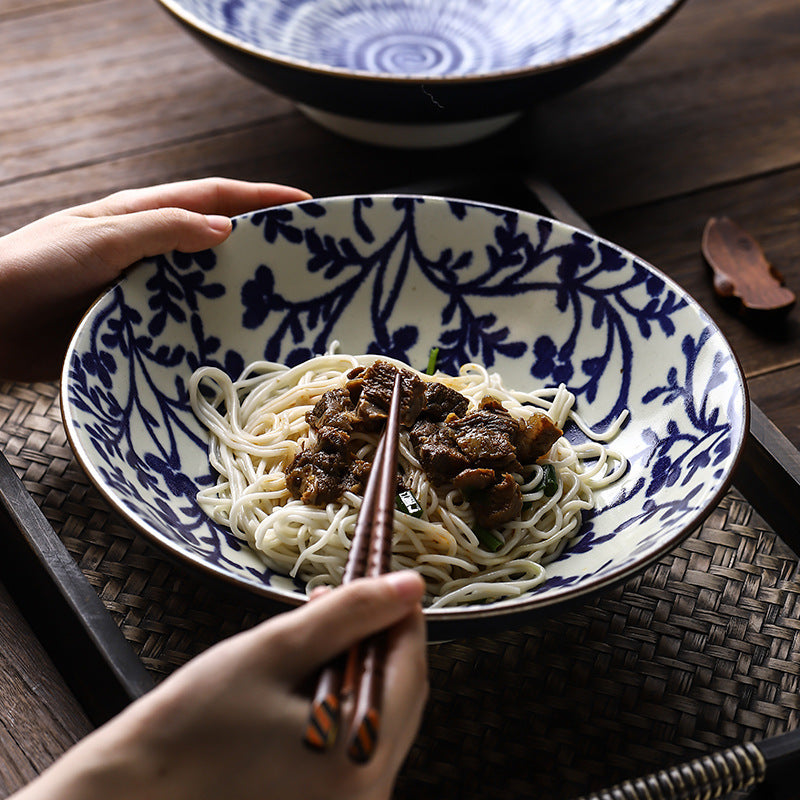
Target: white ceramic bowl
point(420, 73)
point(536, 300)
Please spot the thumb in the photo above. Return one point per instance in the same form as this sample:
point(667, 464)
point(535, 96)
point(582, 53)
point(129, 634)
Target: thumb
point(313, 634)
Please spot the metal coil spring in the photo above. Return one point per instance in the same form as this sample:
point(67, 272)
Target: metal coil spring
point(705, 778)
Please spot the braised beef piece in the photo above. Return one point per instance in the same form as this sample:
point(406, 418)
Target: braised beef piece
point(333, 440)
point(372, 392)
point(333, 418)
point(335, 408)
point(441, 401)
point(323, 472)
point(485, 438)
point(357, 474)
point(437, 450)
point(488, 437)
point(469, 481)
point(316, 476)
point(476, 452)
point(536, 438)
point(499, 504)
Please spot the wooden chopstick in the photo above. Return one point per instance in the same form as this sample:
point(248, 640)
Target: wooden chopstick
point(360, 672)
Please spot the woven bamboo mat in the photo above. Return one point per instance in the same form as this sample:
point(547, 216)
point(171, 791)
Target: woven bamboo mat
point(698, 652)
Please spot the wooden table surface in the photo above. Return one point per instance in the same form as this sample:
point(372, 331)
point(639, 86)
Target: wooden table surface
point(703, 120)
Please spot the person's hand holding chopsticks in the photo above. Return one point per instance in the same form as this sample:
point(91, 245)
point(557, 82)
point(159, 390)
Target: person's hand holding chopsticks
point(230, 723)
point(349, 693)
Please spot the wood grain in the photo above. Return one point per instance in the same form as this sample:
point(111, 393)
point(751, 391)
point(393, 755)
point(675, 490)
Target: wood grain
point(39, 718)
point(112, 78)
point(712, 98)
point(668, 235)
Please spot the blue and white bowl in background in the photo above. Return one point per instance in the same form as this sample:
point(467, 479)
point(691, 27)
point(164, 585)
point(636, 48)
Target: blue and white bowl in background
point(420, 73)
point(536, 300)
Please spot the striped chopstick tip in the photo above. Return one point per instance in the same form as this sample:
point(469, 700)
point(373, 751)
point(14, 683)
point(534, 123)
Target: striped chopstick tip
point(365, 738)
point(323, 723)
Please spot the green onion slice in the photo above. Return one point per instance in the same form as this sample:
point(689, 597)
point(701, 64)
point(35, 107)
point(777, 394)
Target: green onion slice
point(433, 357)
point(489, 539)
point(549, 482)
point(408, 504)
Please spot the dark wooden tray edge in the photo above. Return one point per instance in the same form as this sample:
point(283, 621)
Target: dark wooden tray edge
point(63, 609)
point(768, 476)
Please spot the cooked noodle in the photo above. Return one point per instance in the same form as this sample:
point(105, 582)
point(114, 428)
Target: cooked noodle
point(258, 425)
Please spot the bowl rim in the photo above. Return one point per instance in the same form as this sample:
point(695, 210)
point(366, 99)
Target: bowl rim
point(194, 22)
point(448, 617)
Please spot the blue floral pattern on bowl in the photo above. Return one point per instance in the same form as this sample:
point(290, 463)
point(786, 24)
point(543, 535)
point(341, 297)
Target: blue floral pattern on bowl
point(538, 301)
point(423, 37)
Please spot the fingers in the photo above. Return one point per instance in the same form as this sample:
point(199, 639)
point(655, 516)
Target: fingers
point(319, 591)
point(188, 216)
point(121, 240)
point(303, 640)
point(205, 196)
point(403, 650)
point(405, 689)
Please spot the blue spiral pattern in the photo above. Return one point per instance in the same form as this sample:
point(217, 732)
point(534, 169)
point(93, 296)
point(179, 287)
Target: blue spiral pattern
point(539, 302)
point(425, 38)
